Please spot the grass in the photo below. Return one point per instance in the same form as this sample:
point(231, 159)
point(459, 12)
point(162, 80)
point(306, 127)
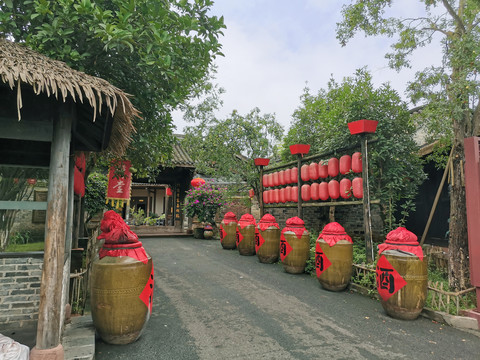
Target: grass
point(36, 246)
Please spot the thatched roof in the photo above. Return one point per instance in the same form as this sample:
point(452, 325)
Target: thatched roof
point(21, 65)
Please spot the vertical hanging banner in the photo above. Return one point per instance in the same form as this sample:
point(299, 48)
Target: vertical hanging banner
point(119, 183)
point(322, 262)
point(389, 281)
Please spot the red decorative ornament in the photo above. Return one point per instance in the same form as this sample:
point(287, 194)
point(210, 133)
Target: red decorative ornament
point(313, 171)
point(362, 126)
point(197, 182)
point(322, 170)
point(281, 177)
point(31, 181)
point(282, 195)
point(265, 197)
point(299, 149)
point(333, 167)
point(288, 196)
point(264, 181)
point(306, 193)
point(276, 180)
point(357, 162)
point(169, 191)
point(294, 193)
point(323, 191)
point(314, 191)
point(304, 173)
point(261, 161)
point(357, 187)
point(294, 175)
point(345, 188)
point(251, 193)
point(334, 189)
point(345, 164)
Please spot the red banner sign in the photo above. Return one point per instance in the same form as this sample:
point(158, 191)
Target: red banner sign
point(259, 241)
point(223, 233)
point(389, 281)
point(119, 181)
point(147, 293)
point(322, 262)
point(239, 237)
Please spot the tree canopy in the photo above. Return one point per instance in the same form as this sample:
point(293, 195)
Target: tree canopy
point(225, 148)
point(155, 50)
point(450, 92)
point(321, 121)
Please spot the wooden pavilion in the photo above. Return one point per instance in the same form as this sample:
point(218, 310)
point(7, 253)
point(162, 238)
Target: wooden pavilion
point(48, 112)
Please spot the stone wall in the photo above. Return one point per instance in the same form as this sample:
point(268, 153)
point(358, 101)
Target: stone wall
point(20, 278)
point(350, 217)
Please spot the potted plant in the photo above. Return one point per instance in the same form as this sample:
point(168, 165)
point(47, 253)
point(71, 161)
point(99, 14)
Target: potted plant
point(204, 202)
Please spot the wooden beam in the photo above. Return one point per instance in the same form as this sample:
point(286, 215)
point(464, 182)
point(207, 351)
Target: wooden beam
point(23, 205)
point(299, 185)
point(49, 317)
point(367, 216)
point(322, 204)
point(26, 130)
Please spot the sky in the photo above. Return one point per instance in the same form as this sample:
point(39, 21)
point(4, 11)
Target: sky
point(275, 48)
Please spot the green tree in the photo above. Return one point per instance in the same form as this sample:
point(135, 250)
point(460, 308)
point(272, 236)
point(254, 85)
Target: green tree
point(156, 50)
point(395, 170)
point(450, 92)
point(225, 148)
point(95, 195)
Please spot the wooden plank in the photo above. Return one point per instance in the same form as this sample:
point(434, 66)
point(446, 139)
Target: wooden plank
point(367, 218)
point(321, 204)
point(49, 312)
point(23, 205)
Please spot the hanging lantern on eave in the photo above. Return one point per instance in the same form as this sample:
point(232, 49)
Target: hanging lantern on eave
point(197, 182)
point(251, 193)
point(169, 191)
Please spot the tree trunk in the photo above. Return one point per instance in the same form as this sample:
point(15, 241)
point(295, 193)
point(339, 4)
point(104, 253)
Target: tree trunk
point(458, 263)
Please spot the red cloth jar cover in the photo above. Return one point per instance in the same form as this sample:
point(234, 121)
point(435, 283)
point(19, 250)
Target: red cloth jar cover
point(334, 232)
point(402, 240)
point(245, 220)
point(229, 217)
point(266, 221)
point(296, 225)
point(119, 239)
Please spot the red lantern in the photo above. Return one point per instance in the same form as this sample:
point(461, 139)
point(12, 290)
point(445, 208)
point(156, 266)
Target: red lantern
point(313, 171)
point(294, 175)
point(304, 173)
point(294, 194)
point(334, 189)
point(345, 188)
point(357, 186)
point(32, 181)
point(287, 193)
point(357, 162)
point(345, 164)
point(270, 180)
point(168, 191)
point(281, 177)
point(323, 191)
point(264, 181)
point(314, 191)
point(276, 181)
point(333, 167)
point(197, 182)
point(322, 170)
point(282, 195)
point(251, 193)
point(306, 196)
point(270, 196)
point(265, 197)
point(276, 196)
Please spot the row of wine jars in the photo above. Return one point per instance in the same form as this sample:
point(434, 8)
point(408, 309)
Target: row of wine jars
point(401, 272)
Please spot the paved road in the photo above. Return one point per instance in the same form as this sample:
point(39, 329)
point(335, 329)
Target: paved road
point(211, 303)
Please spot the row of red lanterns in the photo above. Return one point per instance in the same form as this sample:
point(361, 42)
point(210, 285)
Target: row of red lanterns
point(317, 191)
point(314, 171)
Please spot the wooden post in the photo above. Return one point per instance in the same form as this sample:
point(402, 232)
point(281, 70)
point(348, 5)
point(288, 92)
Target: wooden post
point(260, 195)
point(299, 184)
point(48, 328)
point(367, 218)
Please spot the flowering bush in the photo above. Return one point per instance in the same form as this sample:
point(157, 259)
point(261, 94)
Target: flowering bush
point(204, 202)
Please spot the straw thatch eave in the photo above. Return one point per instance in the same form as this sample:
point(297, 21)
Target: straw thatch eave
point(21, 66)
